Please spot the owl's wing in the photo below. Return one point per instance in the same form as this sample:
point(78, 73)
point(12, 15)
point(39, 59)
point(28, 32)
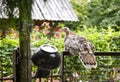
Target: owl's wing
point(80, 46)
point(86, 53)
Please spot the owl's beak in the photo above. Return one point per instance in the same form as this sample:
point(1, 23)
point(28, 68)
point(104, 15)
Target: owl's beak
point(61, 29)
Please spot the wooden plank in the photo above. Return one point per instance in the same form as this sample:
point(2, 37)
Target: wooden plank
point(7, 78)
point(107, 53)
point(99, 53)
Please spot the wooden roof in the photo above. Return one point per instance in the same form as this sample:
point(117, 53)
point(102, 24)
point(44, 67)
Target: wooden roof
point(52, 10)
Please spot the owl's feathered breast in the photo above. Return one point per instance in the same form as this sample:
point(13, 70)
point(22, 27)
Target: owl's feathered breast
point(76, 44)
point(81, 47)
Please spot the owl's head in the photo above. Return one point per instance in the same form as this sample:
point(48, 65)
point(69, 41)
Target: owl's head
point(65, 29)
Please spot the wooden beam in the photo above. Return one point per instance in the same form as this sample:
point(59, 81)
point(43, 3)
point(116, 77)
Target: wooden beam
point(107, 53)
point(99, 53)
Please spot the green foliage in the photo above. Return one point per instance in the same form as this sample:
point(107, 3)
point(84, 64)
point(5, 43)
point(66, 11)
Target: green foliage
point(6, 48)
point(104, 13)
point(39, 38)
point(103, 40)
point(100, 13)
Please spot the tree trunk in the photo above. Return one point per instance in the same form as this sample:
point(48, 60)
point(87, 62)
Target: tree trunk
point(24, 39)
point(25, 57)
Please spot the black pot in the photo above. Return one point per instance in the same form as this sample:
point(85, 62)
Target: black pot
point(46, 57)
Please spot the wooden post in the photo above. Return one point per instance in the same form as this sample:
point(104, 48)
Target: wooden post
point(1, 70)
point(62, 67)
point(16, 71)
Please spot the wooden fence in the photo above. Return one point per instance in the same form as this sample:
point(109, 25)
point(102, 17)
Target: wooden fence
point(61, 75)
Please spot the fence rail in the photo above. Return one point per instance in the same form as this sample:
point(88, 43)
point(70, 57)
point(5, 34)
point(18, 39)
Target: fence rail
point(107, 53)
point(97, 53)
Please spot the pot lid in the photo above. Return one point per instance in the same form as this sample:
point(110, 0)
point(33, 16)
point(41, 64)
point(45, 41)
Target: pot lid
point(49, 48)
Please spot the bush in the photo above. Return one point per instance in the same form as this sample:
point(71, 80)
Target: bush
point(103, 40)
point(6, 48)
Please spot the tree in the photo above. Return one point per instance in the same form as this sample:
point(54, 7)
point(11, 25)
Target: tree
point(24, 24)
point(101, 13)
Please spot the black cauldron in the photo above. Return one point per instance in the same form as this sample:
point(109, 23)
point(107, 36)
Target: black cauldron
point(46, 56)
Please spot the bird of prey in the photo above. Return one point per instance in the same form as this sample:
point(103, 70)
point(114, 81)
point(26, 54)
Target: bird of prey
point(81, 47)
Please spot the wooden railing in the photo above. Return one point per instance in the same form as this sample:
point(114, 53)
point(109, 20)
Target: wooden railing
point(61, 75)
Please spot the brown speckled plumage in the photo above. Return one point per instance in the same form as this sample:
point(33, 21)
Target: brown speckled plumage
point(80, 46)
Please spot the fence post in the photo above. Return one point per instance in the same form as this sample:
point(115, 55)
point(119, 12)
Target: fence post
point(62, 67)
point(16, 71)
point(1, 70)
